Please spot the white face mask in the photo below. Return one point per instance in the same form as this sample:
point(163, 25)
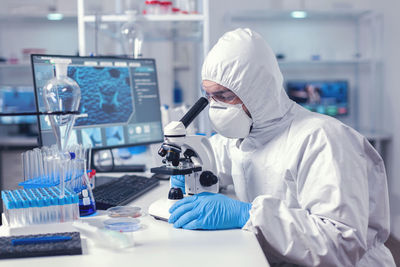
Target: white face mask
point(229, 120)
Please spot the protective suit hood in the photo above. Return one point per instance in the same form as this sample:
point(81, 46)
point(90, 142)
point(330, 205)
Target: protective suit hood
point(244, 63)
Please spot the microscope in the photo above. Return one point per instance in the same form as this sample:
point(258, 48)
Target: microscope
point(188, 155)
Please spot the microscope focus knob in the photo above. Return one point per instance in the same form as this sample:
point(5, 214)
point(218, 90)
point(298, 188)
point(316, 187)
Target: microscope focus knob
point(175, 193)
point(207, 178)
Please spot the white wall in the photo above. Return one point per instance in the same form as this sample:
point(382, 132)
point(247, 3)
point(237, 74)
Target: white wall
point(391, 122)
point(219, 9)
point(55, 36)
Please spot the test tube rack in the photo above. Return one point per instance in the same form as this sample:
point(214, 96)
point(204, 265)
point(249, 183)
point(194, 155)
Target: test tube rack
point(39, 205)
point(48, 167)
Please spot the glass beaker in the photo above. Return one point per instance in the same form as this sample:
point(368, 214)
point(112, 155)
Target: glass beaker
point(132, 35)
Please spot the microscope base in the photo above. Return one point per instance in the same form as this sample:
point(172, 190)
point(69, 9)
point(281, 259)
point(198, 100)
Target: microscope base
point(160, 209)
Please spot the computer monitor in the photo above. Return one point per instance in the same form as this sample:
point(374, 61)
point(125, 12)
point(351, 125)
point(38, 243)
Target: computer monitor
point(120, 104)
point(16, 100)
point(325, 97)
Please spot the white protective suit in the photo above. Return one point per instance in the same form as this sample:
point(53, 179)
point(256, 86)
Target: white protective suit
point(318, 188)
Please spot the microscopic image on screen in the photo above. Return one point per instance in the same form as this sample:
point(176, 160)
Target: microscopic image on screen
point(106, 94)
point(91, 136)
point(115, 136)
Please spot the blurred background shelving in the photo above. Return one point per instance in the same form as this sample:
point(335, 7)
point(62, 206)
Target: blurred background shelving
point(328, 45)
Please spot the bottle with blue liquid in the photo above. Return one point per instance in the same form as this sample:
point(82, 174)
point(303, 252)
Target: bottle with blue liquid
point(87, 204)
point(178, 94)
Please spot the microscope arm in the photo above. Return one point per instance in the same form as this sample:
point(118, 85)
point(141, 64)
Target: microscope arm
point(203, 150)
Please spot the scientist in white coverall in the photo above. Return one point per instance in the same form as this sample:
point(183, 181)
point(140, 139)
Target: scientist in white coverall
point(312, 189)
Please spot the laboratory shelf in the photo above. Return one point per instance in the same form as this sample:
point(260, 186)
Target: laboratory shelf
point(377, 138)
point(283, 14)
point(13, 66)
point(327, 62)
point(376, 135)
point(36, 18)
point(181, 65)
point(202, 17)
point(161, 18)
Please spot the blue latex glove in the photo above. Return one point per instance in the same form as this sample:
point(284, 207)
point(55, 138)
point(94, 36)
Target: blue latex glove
point(178, 181)
point(209, 211)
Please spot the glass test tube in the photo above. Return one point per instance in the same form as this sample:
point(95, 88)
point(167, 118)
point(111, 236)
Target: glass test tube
point(31, 164)
point(24, 166)
point(62, 171)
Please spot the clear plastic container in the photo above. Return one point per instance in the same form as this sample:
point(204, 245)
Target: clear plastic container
point(185, 6)
point(122, 224)
point(192, 7)
point(152, 7)
point(175, 10)
point(125, 211)
point(165, 7)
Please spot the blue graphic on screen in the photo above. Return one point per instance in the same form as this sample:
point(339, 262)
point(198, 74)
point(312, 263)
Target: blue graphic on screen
point(325, 97)
point(106, 94)
point(91, 136)
point(115, 136)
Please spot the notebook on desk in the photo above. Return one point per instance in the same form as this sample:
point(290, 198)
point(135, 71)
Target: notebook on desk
point(40, 245)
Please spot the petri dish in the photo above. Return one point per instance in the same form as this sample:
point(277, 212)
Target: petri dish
point(125, 211)
point(122, 224)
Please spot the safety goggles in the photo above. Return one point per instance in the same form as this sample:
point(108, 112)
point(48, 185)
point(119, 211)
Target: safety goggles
point(221, 96)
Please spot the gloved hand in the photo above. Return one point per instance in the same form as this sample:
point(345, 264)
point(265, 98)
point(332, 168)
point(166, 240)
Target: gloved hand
point(178, 181)
point(209, 211)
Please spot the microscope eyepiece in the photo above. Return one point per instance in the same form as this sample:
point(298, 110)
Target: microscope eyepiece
point(194, 111)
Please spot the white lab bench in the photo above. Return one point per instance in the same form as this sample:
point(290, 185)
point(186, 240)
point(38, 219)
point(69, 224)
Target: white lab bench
point(157, 243)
